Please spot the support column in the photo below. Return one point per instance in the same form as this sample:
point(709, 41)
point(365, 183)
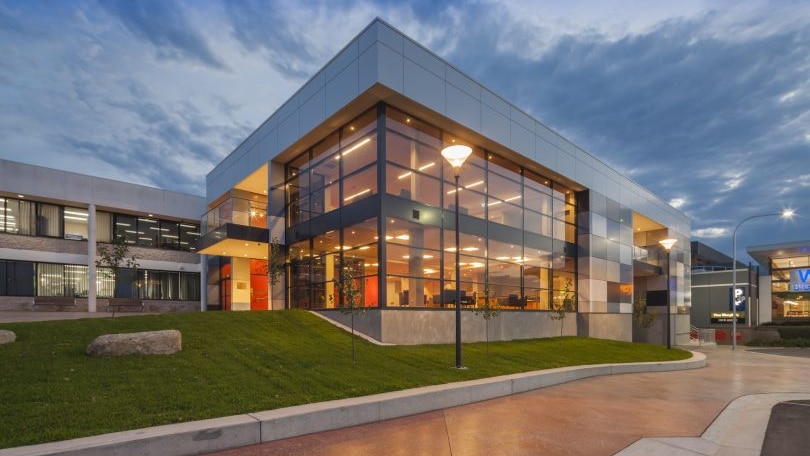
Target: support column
point(203, 283)
point(91, 258)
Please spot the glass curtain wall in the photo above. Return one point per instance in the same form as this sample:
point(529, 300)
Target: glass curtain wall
point(518, 228)
point(790, 287)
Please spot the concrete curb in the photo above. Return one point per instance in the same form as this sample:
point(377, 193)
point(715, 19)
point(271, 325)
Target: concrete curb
point(738, 430)
point(240, 430)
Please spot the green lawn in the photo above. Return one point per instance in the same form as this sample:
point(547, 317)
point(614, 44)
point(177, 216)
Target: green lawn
point(237, 362)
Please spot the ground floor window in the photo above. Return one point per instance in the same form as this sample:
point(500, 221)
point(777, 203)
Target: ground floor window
point(790, 305)
point(23, 278)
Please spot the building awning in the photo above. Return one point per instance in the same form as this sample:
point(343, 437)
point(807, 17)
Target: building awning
point(764, 253)
point(236, 241)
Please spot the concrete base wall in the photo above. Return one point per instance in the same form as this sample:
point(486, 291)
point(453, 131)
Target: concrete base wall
point(606, 326)
point(21, 303)
point(416, 327)
point(16, 303)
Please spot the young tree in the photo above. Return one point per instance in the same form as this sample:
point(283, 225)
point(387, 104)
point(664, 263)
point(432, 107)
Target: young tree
point(114, 257)
point(349, 301)
point(276, 264)
point(640, 315)
point(564, 304)
point(487, 311)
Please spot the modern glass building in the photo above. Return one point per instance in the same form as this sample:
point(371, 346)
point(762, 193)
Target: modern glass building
point(348, 175)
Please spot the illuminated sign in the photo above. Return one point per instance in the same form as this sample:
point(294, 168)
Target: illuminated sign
point(726, 317)
point(800, 280)
point(738, 297)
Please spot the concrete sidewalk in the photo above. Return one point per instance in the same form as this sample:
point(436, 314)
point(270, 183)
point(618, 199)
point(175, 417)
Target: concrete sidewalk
point(596, 416)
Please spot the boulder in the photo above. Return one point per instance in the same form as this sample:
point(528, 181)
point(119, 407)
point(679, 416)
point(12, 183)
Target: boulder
point(163, 342)
point(7, 337)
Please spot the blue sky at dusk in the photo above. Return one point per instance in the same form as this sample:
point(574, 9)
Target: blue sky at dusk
point(705, 103)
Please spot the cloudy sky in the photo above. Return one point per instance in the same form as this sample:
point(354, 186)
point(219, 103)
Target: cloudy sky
point(706, 103)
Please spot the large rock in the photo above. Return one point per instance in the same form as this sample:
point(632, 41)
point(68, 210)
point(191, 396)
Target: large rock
point(7, 337)
point(163, 342)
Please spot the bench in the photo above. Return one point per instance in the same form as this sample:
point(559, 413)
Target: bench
point(55, 302)
point(124, 304)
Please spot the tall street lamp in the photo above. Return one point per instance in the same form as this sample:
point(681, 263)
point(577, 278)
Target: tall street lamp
point(456, 155)
point(785, 214)
point(667, 244)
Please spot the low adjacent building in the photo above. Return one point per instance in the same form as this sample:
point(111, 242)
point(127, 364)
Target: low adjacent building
point(52, 220)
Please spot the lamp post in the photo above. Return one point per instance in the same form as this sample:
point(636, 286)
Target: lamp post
point(786, 214)
point(456, 155)
point(667, 244)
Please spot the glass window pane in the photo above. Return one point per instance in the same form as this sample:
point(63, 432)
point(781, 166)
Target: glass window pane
point(189, 236)
point(413, 155)
point(537, 299)
point(324, 199)
point(470, 244)
point(362, 125)
point(361, 234)
point(470, 202)
point(148, 232)
point(169, 235)
point(359, 154)
point(104, 226)
point(503, 166)
point(412, 292)
point(126, 227)
point(325, 172)
point(20, 277)
point(360, 185)
point(410, 127)
point(75, 223)
point(537, 223)
point(50, 280)
point(537, 201)
point(189, 287)
point(405, 232)
point(413, 186)
point(324, 150)
point(536, 182)
point(20, 217)
point(49, 219)
point(504, 273)
point(410, 261)
point(169, 284)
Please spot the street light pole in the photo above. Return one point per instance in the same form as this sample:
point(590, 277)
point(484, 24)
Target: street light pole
point(667, 244)
point(456, 155)
point(787, 213)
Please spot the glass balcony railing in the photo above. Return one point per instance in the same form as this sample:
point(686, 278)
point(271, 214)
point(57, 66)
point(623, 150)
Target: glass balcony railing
point(239, 211)
point(653, 256)
point(640, 254)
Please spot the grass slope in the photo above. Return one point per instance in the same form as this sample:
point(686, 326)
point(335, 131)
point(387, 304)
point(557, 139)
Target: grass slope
point(237, 362)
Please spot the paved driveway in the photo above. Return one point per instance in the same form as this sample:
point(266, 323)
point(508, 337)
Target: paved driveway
point(597, 416)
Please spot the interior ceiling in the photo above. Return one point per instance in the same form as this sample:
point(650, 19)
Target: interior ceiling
point(256, 182)
point(642, 223)
point(238, 248)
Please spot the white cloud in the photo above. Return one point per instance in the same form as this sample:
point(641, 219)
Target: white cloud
point(709, 233)
point(677, 203)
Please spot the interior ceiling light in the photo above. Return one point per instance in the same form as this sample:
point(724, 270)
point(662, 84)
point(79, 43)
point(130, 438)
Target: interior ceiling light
point(353, 148)
point(360, 193)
